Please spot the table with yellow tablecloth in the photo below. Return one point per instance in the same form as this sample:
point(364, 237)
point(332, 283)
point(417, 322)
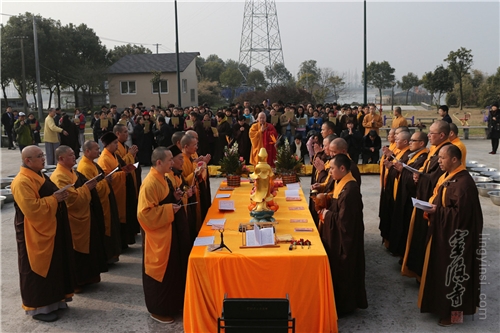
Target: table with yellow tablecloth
point(303, 273)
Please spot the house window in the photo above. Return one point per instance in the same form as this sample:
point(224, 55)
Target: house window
point(127, 87)
point(184, 85)
point(163, 84)
point(193, 99)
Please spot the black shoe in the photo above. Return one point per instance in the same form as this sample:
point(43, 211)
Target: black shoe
point(492, 152)
point(47, 317)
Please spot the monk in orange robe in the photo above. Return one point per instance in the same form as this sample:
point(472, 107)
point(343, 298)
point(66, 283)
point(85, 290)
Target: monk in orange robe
point(161, 263)
point(110, 226)
point(192, 173)
point(127, 156)
point(43, 238)
point(108, 162)
point(263, 135)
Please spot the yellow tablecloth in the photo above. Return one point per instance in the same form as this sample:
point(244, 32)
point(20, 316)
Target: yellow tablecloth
point(303, 274)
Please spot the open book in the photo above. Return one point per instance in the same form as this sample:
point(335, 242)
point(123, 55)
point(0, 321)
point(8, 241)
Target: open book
point(259, 237)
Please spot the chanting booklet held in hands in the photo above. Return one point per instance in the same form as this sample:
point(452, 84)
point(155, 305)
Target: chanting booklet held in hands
point(423, 205)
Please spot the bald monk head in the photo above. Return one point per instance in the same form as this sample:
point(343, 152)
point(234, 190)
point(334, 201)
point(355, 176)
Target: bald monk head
point(91, 150)
point(176, 138)
point(391, 137)
point(401, 129)
point(340, 165)
point(33, 158)
point(338, 146)
point(189, 144)
point(450, 158)
point(65, 156)
point(453, 132)
point(261, 118)
point(192, 133)
point(418, 141)
point(439, 132)
point(402, 140)
point(161, 159)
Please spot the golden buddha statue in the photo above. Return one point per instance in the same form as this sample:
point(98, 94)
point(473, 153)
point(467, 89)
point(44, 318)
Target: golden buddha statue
point(262, 205)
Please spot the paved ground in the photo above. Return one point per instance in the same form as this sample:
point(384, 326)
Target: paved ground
point(117, 303)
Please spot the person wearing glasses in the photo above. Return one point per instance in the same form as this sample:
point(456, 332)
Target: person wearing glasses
point(387, 195)
point(43, 239)
point(426, 180)
point(406, 189)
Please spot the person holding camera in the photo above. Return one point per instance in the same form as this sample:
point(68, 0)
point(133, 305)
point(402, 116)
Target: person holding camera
point(24, 136)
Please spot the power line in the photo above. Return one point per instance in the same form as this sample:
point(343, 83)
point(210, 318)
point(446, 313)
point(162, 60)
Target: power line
point(164, 48)
point(122, 41)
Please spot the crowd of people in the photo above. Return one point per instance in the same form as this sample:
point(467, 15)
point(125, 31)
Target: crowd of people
point(72, 225)
point(151, 127)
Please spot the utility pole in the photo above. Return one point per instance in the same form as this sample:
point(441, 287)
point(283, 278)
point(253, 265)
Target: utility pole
point(364, 65)
point(37, 66)
point(21, 38)
point(157, 47)
point(177, 55)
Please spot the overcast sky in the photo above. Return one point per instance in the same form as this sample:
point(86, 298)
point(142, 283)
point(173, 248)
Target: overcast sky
point(412, 36)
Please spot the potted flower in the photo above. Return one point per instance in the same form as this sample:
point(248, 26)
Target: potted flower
point(287, 164)
point(232, 165)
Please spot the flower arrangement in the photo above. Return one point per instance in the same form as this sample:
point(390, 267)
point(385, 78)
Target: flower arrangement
point(286, 162)
point(232, 164)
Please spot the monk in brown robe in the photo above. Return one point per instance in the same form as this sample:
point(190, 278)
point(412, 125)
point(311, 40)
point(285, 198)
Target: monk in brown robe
point(85, 226)
point(321, 176)
point(388, 152)
point(342, 235)
point(43, 236)
point(161, 263)
point(388, 196)
point(111, 228)
point(426, 181)
point(450, 278)
point(339, 146)
point(406, 189)
point(327, 128)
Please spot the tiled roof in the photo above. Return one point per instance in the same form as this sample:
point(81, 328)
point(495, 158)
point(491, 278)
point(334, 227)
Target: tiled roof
point(146, 63)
